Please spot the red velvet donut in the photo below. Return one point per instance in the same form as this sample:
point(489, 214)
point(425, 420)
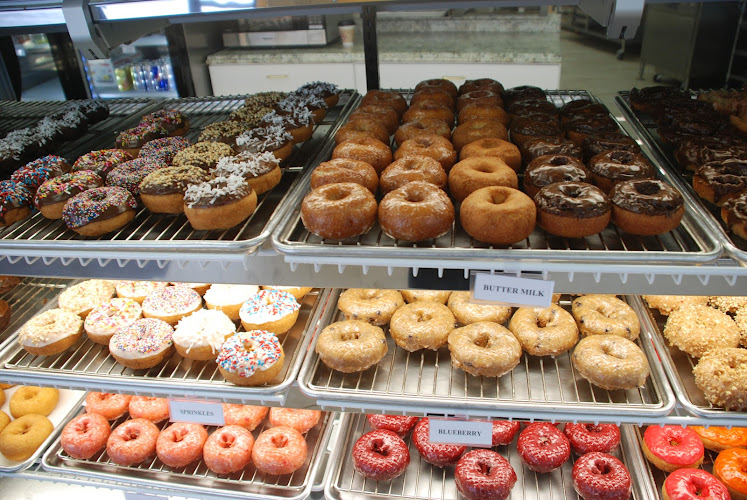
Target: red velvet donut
point(380, 455)
point(586, 438)
point(484, 475)
point(599, 476)
point(542, 447)
point(504, 432)
point(399, 424)
point(437, 454)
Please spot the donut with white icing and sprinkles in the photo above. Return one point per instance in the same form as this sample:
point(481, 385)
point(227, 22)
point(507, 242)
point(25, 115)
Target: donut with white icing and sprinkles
point(172, 303)
point(143, 344)
point(272, 310)
point(99, 211)
point(251, 358)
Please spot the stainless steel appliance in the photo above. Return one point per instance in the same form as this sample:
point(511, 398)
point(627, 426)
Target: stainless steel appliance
point(287, 31)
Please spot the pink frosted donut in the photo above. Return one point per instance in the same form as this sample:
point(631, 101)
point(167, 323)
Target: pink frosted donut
point(109, 406)
point(301, 420)
point(279, 450)
point(229, 449)
point(132, 442)
point(399, 424)
point(153, 409)
point(246, 416)
point(85, 435)
point(181, 443)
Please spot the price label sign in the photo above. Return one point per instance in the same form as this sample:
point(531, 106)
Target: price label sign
point(461, 432)
point(521, 292)
point(196, 412)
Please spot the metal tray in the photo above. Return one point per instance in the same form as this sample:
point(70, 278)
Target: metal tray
point(196, 478)
point(88, 365)
point(691, 242)
point(647, 129)
point(424, 382)
point(151, 236)
point(424, 481)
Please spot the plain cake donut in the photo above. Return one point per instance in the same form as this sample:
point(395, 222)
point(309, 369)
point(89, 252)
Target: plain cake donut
point(412, 168)
point(610, 362)
point(474, 173)
point(371, 305)
point(351, 346)
point(544, 331)
point(484, 349)
point(416, 211)
point(338, 211)
point(493, 147)
point(421, 325)
point(498, 215)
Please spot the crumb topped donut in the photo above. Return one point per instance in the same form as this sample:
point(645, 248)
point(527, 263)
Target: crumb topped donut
point(697, 329)
point(204, 155)
point(666, 304)
point(52, 332)
point(338, 211)
point(251, 358)
point(721, 373)
point(416, 211)
point(371, 305)
point(351, 346)
point(82, 297)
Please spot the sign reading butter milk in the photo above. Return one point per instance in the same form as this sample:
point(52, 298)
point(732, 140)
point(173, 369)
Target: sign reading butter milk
point(461, 432)
point(511, 290)
point(196, 412)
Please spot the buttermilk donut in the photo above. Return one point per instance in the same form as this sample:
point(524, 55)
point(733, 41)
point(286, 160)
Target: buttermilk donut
point(82, 297)
point(467, 313)
point(380, 455)
point(51, 332)
point(416, 211)
point(200, 335)
point(143, 344)
point(477, 129)
point(228, 449)
point(599, 476)
point(220, 203)
point(610, 362)
point(484, 349)
point(421, 325)
point(440, 296)
point(389, 99)
point(427, 109)
point(646, 207)
point(549, 169)
point(299, 419)
point(492, 147)
point(110, 406)
point(672, 447)
point(51, 196)
point(339, 211)
point(251, 358)
point(360, 128)
point(104, 320)
point(247, 416)
point(99, 210)
point(474, 111)
point(544, 331)
point(572, 209)
point(399, 424)
point(345, 170)
point(85, 435)
point(611, 167)
point(666, 304)
point(424, 126)
point(412, 168)
point(351, 346)
point(275, 311)
point(132, 442)
point(180, 444)
point(474, 173)
point(279, 450)
point(434, 146)
point(32, 399)
point(150, 408)
point(484, 474)
point(23, 436)
point(498, 215)
point(171, 303)
point(372, 305)
point(698, 329)
point(600, 314)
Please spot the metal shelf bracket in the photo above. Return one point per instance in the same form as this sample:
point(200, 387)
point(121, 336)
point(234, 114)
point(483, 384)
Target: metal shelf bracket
point(620, 17)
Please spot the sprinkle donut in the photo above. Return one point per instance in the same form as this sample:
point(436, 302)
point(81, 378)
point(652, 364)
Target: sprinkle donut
point(251, 358)
point(143, 344)
point(104, 320)
point(164, 149)
point(101, 162)
point(99, 210)
point(275, 311)
point(181, 444)
point(138, 290)
point(15, 202)
point(85, 435)
point(110, 406)
point(132, 442)
point(229, 449)
point(34, 174)
point(172, 303)
point(51, 196)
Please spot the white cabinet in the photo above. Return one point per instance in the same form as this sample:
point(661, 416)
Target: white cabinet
point(232, 79)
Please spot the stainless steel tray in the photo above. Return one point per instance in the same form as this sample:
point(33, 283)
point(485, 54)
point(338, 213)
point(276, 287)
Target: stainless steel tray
point(691, 242)
point(196, 478)
point(88, 365)
point(424, 382)
point(647, 129)
point(424, 481)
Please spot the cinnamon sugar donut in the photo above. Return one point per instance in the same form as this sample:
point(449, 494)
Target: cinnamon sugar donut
point(476, 129)
point(428, 110)
point(372, 151)
point(498, 215)
point(416, 211)
point(493, 147)
point(698, 329)
point(369, 304)
point(360, 127)
point(477, 112)
point(421, 325)
point(345, 170)
point(434, 146)
point(412, 168)
point(424, 126)
point(478, 172)
point(544, 331)
point(338, 211)
point(602, 314)
point(393, 100)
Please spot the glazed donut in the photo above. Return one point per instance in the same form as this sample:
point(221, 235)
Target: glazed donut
point(229, 449)
point(351, 346)
point(721, 373)
point(476, 112)
point(23, 436)
point(572, 209)
point(154, 409)
point(369, 304)
point(138, 290)
point(440, 296)
point(433, 95)
point(399, 424)
point(345, 170)
point(162, 191)
point(200, 335)
point(610, 362)
point(132, 442)
point(339, 211)
point(32, 399)
point(393, 100)
point(694, 484)
point(646, 207)
point(251, 358)
point(101, 162)
point(612, 167)
point(484, 349)
point(478, 172)
point(412, 168)
point(143, 344)
point(421, 325)
point(493, 147)
point(381, 114)
point(734, 215)
point(424, 126)
point(85, 435)
point(549, 169)
point(247, 416)
point(586, 438)
point(380, 455)
point(131, 173)
point(438, 454)
point(300, 420)
point(108, 405)
point(481, 84)
point(600, 476)
point(51, 196)
point(526, 128)
point(104, 320)
point(434, 146)
point(428, 110)
point(666, 304)
point(180, 444)
point(480, 97)
point(544, 331)
point(467, 313)
point(672, 447)
point(271, 310)
point(99, 210)
point(477, 129)
point(220, 203)
point(599, 314)
point(504, 432)
point(484, 474)
point(608, 141)
point(51, 332)
point(416, 211)
point(482, 210)
point(82, 297)
point(542, 447)
point(698, 329)
point(729, 468)
point(441, 83)
point(279, 450)
point(721, 438)
point(360, 128)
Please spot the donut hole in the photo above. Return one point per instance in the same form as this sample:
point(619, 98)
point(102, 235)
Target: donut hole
point(647, 188)
point(497, 198)
point(348, 336)
point(482, 340)
point(559, 161)
point(280, 441)
point(622, 157)
point(226, 441)
point(414, 197)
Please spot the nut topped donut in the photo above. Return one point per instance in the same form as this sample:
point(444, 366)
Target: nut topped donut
point(345, 170)
point(416, 211)
point(338, 211)
point(412, 168)
point(162, 191)
point(721, 373)
point(697, 329)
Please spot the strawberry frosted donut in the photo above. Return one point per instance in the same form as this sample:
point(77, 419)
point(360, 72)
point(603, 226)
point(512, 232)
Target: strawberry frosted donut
point(273, 310)
point(154, 409)
point(246, 416)
point(301, 420)
point(172, 303)
point(399, 424)
point(504, 432)
point(279, 450)
point(109, 406)
point(132, 442)
point(599, 476)
point(694, 484)
point(438, 454)
point(671, 447)
point(229, 449)
point(104, 320)
point(542, 447)
point(484, 475)
point(586, 438)
point(138, 290)
point(85, 435)
point(380, 455)
point(181, 443)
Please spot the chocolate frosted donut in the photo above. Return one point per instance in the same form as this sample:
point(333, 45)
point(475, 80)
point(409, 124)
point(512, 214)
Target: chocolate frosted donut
point(523, 93)
point(101, 162)
point(524, 129)
point(548, 169)
point(580, 127)
point(572, 209)
point(608, 141)
point(541, 146)
point(162, 191)
point(532, 106)
point(53, 194)
point(734, 214)
point(615, 166)
point(481, 84)
point(581, 107)
point(692, 152)
point(646, 206)
point(717, 182)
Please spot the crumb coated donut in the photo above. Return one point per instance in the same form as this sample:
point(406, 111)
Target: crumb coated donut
point(493, 147)
point(82, 297)
point(694, 484)
point(32, 399)
point(544, 331)
point(220, 203)
point(399, 424)
point(466, 312)
point(358, 128)
point(484, 349)
point(85, 435)
point(181, 444)
point(247, 416)
point(270, 309)
point(299, 419)
point(104, 320)
point(598, 476)
point(412, 168)
point(171, 303)
point(498, 215)
point(345, 170)
point(721, 373)
point(372, 305)
point(438, 454)
point(698, 329)
point(380, 455)
point(204, 155)
point(599, 314)
point(721, 438)
point(110, 406)
point(423, 126)
point(484, 474)
point(389, 99)
point(131, 173)
point(35, 173)
point(666, 304)
point(23, 436)
point(572, 209)
point(476, 129)
point(201, 334)
point(672, 447)
point(50, 332)
point(586, 438)
point(138, 290)
point(279, 450)
point(434, 146)
point(351, 346)
point(416, 211)
point(99, 210)
point(728, 303)
point(228, 449)
point(440, 296)
point(251, 358)
point(610, 362)
point(150, 408)
point(143, 344)
point(646, 207)
point(543, 447)
point(611, 167)
point(372, 151)
point(421, 325)
point(132, 442)
point(162, 191)
point(729, 468)
point(339, 211)
point(548, 169)
point(474, 173)
point(51, 196)
point(101, 162)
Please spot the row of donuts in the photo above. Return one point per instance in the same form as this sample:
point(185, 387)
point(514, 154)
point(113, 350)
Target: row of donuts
point(29, 427)
point(482, 346)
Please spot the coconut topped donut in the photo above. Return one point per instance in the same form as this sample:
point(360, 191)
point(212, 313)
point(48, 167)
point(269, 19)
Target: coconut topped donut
point(203, 328)
point(218, 191)
point(261, 139)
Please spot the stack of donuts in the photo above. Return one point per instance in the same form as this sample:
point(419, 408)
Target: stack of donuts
point(29, 407)
point(606, 356)
point(131, 430)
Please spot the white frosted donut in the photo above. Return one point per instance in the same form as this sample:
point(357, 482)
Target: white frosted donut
point(51, 332)
point(251, 358)
point(104, 320)
point(228, 298)
point(83, 297)
point(171, 304)
point(201, 334)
